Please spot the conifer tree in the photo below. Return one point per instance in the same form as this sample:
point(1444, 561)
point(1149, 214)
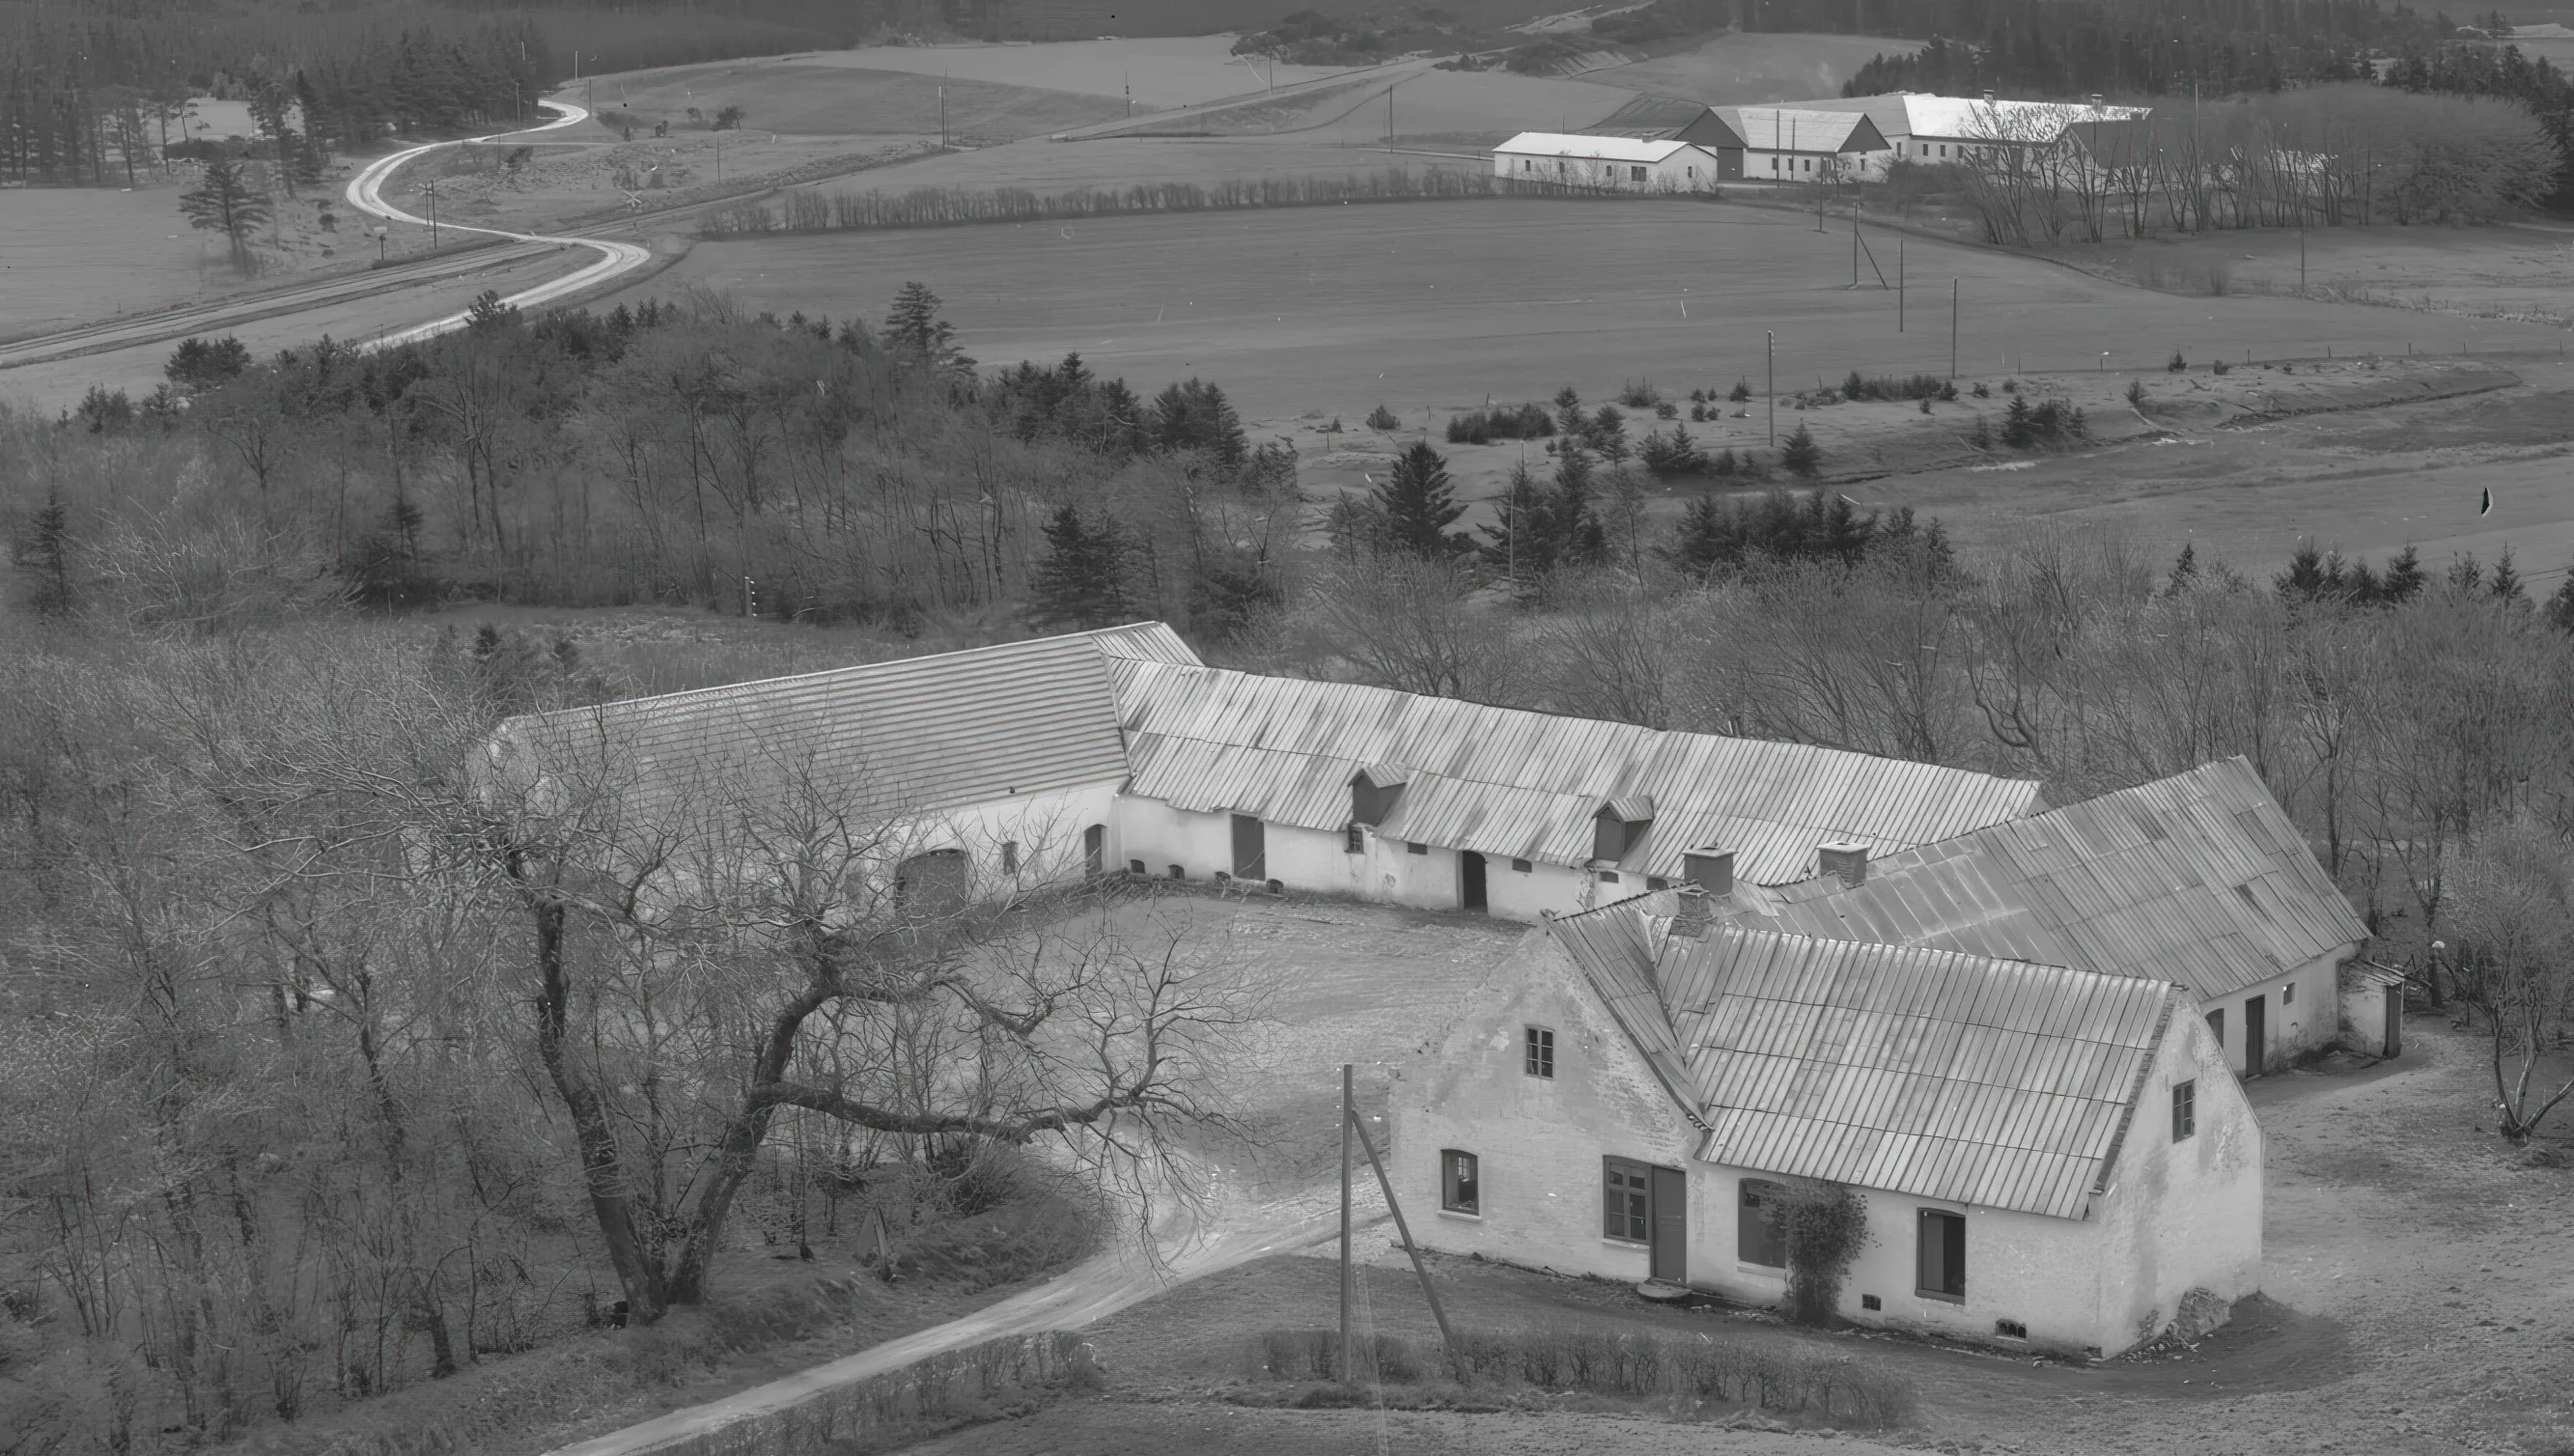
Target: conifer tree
point(1082, 581)
point(1800, 455)
point(1418, 505)
point(225, 203)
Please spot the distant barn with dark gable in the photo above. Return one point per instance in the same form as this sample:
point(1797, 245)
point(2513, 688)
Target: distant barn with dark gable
point(1671, 119)
point(1120, 750)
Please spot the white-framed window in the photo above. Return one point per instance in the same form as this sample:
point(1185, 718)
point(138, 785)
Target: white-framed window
point(1539, 1044)
point(1461, 1182)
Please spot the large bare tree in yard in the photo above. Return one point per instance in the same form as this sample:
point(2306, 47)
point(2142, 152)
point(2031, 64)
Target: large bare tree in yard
point(2514, 919)
point(701, 961)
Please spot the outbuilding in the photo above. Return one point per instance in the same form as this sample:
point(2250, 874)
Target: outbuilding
point(1804, 144)
point(2023, 1155)
point(1626, 164)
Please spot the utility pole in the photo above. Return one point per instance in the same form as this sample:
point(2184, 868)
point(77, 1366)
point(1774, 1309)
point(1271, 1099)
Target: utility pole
point(1349, 1115)
point(430, 187)
point(1952, 328)
point(1898, 283)
point(1772, 348)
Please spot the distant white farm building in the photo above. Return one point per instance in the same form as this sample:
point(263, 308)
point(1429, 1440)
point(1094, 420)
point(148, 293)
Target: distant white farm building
point(1805, 143)
point(1624, 163)
point(1928, 129)
point(1672, 119)
point(2043, 1158)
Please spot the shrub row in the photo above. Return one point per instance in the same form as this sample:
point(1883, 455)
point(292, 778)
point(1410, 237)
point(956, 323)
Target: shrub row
point(936, 207)
point(1483, 427)
point(885, 1410)
point(1701, 1368)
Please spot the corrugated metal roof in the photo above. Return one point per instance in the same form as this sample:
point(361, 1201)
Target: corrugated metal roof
point(1597, 149)
point(1961, 1077)
point(2198, 878)
point(908, 735)
point(1803, 129)
point(1507, 781)
point(1972, 119)
point(1668, 118)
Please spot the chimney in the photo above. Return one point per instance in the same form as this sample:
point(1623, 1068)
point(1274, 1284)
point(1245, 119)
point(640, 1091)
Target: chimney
point(1847, 858)
point(1988, 96)
point(2096, 101)
point(1689, 918)
point(1710, 868)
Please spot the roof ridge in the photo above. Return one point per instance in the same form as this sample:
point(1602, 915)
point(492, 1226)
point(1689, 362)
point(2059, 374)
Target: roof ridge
point(714, 689)
point(1974, 958)
point(1658, 735)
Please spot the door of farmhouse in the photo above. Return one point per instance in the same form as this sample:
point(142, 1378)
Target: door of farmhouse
point(1671, 1226)
point(1250, 848)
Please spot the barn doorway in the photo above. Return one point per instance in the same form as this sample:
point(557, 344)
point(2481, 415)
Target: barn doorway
point(1250, 849)
point(1470, 873)
point(2255, 1022)
point(1095, 851)
point(1671, 1226)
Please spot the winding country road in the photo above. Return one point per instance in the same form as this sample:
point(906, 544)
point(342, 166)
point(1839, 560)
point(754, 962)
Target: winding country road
point(366, 193)
point(513, 252)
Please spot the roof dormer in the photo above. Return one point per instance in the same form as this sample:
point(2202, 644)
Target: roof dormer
point(1372, 791)
point(1620, 826)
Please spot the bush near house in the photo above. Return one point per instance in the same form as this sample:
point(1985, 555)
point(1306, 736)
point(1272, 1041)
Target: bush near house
point(1717, 1368)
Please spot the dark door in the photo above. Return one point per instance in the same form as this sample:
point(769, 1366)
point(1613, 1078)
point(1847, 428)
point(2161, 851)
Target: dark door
point(2394, 1020)
point(2254, 1024)
point(1470, 868)
point(1094, 850)
point(1671, 1226)
point(1250, 848)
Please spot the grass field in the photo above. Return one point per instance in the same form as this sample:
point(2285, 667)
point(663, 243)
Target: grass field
point(1308, 315)
point(801, 95)
point(1435, 305)
point(1733, 69)
point(68, 255)
point(1165, 71)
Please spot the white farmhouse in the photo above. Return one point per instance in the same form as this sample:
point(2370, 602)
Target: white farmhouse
point(1119, 749)
point(1628, 164)
point(2044, 1158)
point(2200, 878)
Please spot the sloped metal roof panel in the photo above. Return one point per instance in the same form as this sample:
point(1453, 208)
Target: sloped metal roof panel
point(1914, 1071)
point(908, 735)
point(2198, 878)
point(1509, 782)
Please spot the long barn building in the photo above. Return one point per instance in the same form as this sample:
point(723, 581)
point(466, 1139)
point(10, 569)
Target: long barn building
point(1119, 749)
